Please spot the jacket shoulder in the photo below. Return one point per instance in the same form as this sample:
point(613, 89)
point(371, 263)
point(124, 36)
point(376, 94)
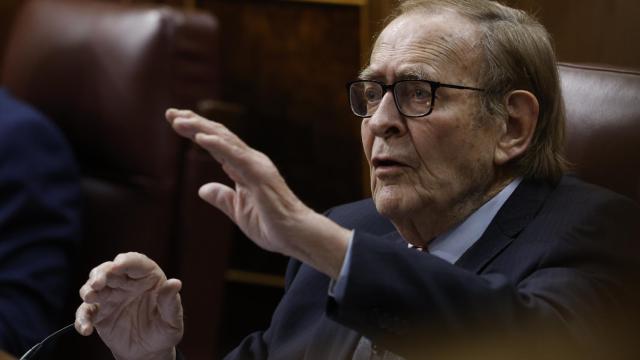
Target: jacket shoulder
point(22, 125)
point(580, 197)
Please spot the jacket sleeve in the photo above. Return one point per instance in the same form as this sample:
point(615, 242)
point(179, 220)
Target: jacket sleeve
point(39, 229)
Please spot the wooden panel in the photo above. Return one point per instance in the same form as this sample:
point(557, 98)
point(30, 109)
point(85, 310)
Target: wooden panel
point(287, 63)
point(373, 15)
point(591, 31)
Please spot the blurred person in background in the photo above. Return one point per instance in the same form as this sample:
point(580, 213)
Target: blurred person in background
point(39, 224)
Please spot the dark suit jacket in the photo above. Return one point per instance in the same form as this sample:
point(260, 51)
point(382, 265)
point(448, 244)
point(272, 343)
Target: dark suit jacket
point(553, 268)
point(39, 224)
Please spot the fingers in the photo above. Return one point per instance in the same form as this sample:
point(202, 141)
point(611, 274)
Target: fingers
point(130, 271)
point(135, 266)
point(169, 304)
point(214, 137)
point(114, 284)
point(188, 124)
point(220, 196)
point(173, 113)
point(243, 164)
point(224, 146)
point(97, 278)
point(84, 318)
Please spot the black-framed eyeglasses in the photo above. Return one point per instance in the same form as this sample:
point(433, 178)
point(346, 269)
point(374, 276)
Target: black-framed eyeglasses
point(413, 98)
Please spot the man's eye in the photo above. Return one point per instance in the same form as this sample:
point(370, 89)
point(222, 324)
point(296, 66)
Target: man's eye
point(371, 94)
point(421, 94)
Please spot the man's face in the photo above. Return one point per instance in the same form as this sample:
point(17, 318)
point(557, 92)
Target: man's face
point(428, 165)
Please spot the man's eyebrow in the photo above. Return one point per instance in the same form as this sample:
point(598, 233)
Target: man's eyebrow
point(411, 73)
point(416, 73)
point(369, 74)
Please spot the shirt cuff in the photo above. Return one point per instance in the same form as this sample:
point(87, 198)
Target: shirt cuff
point(337, 287)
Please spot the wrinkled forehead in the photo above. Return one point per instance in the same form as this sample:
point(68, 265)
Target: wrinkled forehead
point(440, 46)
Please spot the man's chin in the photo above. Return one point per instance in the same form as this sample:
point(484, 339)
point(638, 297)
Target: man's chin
point(390, 204)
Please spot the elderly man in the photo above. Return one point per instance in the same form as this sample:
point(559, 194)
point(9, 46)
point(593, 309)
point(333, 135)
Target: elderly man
point(462, 128)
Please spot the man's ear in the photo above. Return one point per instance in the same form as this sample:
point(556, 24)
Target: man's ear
point(520, 124)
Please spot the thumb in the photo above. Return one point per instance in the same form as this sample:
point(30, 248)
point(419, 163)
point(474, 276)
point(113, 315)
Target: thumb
point(221, 196)
point(169, 304)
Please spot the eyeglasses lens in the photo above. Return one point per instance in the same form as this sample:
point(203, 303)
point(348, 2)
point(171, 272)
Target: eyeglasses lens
point(413, 98)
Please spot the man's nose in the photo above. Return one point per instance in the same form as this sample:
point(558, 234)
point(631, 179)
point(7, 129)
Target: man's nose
point(387, 121)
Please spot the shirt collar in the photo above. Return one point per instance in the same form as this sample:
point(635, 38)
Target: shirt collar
point(451, 245)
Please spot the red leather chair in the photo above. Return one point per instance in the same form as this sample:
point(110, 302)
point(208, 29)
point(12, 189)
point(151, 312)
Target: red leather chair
point(105, 73)
point(603, 125)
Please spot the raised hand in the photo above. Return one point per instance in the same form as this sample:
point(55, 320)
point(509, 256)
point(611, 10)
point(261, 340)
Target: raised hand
point(261, 203)
point(135, 309)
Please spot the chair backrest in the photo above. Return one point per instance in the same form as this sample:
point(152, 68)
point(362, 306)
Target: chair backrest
point(105, 73)
point(603, 125)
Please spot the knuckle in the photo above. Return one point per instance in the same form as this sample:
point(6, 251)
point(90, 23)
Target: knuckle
point(127, 257)
point(96, 270)
point(83, 290)
point(217, 126)
point(120, 258)
point(97, 278)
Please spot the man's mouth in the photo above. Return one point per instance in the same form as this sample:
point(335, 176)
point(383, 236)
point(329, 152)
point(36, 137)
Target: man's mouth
point(384, 162)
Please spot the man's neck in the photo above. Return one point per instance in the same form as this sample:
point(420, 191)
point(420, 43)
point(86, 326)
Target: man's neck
point(422, 227)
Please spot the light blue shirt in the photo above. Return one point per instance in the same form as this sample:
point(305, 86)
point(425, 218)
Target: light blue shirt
point(448, 246)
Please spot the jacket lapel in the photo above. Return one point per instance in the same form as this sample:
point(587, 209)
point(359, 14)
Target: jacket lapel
point(511, 219)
